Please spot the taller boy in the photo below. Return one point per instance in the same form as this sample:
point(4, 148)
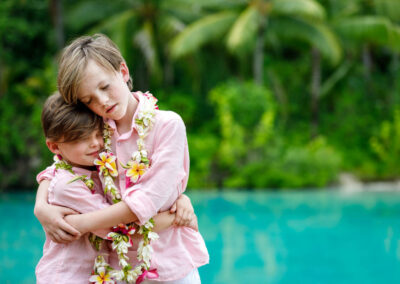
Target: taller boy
point(93, 71)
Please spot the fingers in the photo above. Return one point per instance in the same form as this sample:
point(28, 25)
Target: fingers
point(183, 218)
point(67, 211)
point(173, 208)
point(66, 228)
point(65, 237)
point(61, 237)
point(194, 224)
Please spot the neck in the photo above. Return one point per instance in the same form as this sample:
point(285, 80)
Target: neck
point(125, 123)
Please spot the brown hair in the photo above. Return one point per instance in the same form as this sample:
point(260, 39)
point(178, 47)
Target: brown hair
point(64, 122)
point(74, 59)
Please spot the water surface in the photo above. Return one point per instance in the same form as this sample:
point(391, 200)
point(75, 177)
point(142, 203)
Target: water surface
point(256, 237)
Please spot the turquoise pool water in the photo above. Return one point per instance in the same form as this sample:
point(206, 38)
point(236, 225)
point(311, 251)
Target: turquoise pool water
point(256, 237)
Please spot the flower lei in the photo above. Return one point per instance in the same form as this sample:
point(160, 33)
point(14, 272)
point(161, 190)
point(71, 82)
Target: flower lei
point(135, 168)
point(60, 163)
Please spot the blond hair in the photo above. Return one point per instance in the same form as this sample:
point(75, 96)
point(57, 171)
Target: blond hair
point(63, 122)
point(75, 57)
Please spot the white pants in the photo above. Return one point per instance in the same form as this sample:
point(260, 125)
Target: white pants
point(193, 277)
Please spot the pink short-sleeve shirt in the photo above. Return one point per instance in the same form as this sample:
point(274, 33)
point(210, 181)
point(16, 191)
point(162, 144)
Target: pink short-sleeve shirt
point(73, 262)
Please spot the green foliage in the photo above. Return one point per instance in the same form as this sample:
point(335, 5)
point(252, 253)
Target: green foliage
point(253, 153)
point(240, 134)
point(315, 164)
point(386, 145)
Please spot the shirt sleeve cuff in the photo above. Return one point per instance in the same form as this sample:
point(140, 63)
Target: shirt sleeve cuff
point(140, 204)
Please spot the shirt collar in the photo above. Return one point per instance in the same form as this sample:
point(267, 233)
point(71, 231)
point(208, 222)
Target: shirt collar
point(81, 171)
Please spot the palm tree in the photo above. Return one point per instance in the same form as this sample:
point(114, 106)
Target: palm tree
point(141, 29)
point(57, 16)
point(247, 23)
point(369, 24)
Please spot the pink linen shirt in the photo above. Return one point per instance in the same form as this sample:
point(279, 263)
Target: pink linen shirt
point(179, 249)
point(73, 262)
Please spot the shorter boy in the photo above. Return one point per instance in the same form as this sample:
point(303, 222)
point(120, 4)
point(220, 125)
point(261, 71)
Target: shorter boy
point(74, 134)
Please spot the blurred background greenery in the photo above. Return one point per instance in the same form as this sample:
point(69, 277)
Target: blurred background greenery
point(274, 94)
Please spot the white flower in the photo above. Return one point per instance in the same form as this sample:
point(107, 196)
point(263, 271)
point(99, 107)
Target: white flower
point(123, 262)
point(138, 269)
point(100, 262)
point(140, 143)
point(143, 153)
point(122, 247)
point(140, 130)
point(117, 274)
point(131, 276)
point(153, 236)
point(144, 253)
point(148, 225)
point(136, 157)
point(140, 248)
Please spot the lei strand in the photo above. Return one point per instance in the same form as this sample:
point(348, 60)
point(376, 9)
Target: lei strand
point(121, 235)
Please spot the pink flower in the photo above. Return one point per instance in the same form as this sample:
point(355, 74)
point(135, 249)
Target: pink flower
point(147, 274)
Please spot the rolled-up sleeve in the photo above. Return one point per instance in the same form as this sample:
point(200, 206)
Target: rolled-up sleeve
point(167, 176)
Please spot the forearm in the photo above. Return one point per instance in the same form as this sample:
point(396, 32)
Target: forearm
point(102, 219)
point(41, 197)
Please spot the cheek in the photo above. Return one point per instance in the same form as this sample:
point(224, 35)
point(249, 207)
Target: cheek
point(96, 109)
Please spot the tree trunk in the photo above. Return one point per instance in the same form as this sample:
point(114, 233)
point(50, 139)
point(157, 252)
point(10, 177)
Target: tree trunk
point(367, 66)
point(57, 17)
point(394, 71)
point(279, 92)
point(258, 59)
point(168, 70)
point(315, 90)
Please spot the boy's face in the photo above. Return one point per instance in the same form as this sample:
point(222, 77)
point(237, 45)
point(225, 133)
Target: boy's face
point(105, 93)
point(81, 152)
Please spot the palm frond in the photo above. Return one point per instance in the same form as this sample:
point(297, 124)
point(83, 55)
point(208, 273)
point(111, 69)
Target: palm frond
point(388, 8)
point(298, 8)
point(202, 31)
point(116, 28)
point(373, 29)
point(244, 29)
point(316, 34)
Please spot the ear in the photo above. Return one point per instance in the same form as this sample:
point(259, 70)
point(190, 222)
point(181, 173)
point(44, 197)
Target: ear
point(53, 146)
point(124, 71)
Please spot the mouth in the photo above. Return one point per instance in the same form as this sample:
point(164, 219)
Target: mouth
point(111, 108)
point(94, 153)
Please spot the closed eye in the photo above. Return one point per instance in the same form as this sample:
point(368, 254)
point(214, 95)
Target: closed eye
point(105, 87)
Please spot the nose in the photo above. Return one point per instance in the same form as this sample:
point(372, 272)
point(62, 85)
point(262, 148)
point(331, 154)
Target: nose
point(94, 141)
point(102, 98)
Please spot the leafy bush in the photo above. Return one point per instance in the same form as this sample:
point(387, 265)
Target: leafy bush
point(386, 146)
point(254, 154)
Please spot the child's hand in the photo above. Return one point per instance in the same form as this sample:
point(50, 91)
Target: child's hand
point(193, 223)
point(184, 211)
point(51, 217)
